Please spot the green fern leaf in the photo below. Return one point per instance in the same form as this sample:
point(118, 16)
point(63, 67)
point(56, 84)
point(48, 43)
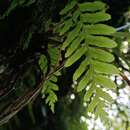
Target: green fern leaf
point(89, 93)
point(100, 54)
point(66, 27)
point(99, 29)
point(95, 17)
point(105, 68)
point(81, 69)
point(49, 88)
point(54, 55)
point(93, 104)
point(43, 63)
point(104, 81)
point(103, 115)
point(104, 95)
point(72, 35)
point(76, 15)
point(53, 86)
point(68, 7)
point(57, 73)
point(53, 78)
point(100, 41)
point(85, 80)
point(88, 38)
point(76, 56)
point(74, 45)
point(92, 6)
point(100, 111)
point(51, 99)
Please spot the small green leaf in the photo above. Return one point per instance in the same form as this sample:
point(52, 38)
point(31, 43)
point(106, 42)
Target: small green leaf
point(48, 90)
point(54, 55)
point(57, 73)
point(104, 116)
point(99, 29)
point(105, 68)
point(85, 80)
point(53, 78)
point(51, 100)
point(76, 15)
point(92, 6)
point(81, 69)
point(43, 63)
point(68, 7)
point(66, 27)
point(100, 41)
point(95, 17)
point(53, 86)
point(89, 93)
point(76, 56)
point(93, 104)
point(44, 88)
point(100, 55)
point(74, 45)
point(104, 95)
point(72, 35)
point(100, 107)
point(100, 111)
point(104, 81)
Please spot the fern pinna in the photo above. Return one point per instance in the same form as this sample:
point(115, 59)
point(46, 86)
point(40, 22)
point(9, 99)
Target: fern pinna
point(49, 87)
point(88, 37)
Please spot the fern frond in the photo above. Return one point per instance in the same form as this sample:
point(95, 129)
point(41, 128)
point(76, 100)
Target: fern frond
point(87, 36)
point(49, 87)
point(48, 91)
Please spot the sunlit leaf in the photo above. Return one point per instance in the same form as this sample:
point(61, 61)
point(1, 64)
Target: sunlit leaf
point(76, 56)
point(100, 29)
point(104, 95)
point(89, 93)
point(105, 68)
point(104, 81)
point(100, 41)
point(85, 80)
point(81, 69)
point(100, 54)
point(74, 45)
point(93, 104)
point(95, 17)
point(72, 35)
